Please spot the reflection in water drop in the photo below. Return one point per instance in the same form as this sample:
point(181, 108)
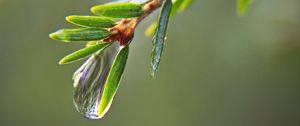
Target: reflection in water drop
point(89, 81)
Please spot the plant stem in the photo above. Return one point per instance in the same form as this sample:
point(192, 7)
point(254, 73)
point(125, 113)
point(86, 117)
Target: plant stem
point(124, 31)
point(148, 9)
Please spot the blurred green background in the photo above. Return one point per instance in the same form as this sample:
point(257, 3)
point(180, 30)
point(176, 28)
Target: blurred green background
point(218, 69)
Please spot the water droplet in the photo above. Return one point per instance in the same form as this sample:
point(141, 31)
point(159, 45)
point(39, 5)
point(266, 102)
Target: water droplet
point(89, 81)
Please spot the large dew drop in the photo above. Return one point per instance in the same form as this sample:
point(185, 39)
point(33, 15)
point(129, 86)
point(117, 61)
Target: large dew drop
point(89, 81)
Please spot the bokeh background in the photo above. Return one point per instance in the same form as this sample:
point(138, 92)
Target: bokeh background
point(218, 69)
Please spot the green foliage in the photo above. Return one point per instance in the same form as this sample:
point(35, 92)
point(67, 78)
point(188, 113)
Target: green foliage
point(119, 10)
point(176, 7)
point(113, 80)
point(160, 36)
point(91, 21)
point(80, 54)
point(80, 34)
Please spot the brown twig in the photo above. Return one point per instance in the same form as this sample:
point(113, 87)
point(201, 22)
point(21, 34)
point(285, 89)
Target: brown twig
point(124, 30)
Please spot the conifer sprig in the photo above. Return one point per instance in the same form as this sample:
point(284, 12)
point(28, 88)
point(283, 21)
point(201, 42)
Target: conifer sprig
point(108, 34)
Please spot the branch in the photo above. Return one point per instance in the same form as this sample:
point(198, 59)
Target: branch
point(124, 30)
